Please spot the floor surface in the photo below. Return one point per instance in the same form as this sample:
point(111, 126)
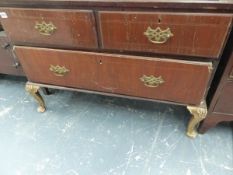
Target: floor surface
point(83, 134)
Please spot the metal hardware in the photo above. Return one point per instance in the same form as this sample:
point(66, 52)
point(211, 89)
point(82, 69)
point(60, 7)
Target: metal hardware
point(10, 50)
point(16, 65)
point(58, 70)
point(158, 36)
point(6, 45)
point(152, 81)
point(210, 67)
point(45, 28)
point(231, 75)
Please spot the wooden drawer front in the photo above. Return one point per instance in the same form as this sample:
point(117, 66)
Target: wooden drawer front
point(190, 34)
point(178, 81)
point(225, 103)
point(59, 28)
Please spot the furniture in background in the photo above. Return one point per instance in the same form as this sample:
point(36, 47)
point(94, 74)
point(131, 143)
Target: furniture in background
point(148, 50)
point(221, 105)
point(8, 62)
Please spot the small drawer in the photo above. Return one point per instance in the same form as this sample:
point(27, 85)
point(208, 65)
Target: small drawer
point(161, 79)
point(168, 33)
point(57, 28)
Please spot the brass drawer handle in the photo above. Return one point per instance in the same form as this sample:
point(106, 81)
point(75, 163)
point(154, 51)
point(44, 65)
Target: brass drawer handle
point(152, 81)
point(158, 36)
point(58, 70)
point(45, 28)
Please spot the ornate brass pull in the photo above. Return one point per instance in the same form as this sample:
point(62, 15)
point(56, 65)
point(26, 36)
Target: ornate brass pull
point(45, 28)
point(58, 70)
point(152, 81)
point(158, 36)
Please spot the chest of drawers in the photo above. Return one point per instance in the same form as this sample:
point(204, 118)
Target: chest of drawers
point(8, 62)
point(221, 105)
point(134, 49)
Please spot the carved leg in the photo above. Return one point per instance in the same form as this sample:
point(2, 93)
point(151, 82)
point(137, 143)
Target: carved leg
point(198, 114)
point(33, 90)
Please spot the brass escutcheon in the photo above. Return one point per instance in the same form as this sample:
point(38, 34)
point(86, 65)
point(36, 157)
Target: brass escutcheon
point(152, 81)
point(59, 70)
point(45, 28)
point(158, 36)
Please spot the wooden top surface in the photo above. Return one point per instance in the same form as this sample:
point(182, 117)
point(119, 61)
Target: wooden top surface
point(183, 1)
point(153, 4)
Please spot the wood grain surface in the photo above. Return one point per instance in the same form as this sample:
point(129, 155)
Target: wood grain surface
point(75, 28)
point(172, 5)
point(194, 34)
point(184, 81)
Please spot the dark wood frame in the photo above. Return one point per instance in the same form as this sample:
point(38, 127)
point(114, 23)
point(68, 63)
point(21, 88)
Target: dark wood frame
point(175, 5)
point(8, 61)
point(221, 78)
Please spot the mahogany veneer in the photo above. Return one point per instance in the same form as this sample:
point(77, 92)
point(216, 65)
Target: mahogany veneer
point(193, 34)
point(118, 73)
point(74, 28)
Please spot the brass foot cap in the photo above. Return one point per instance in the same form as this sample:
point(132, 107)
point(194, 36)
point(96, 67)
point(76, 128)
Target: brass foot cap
point(41, 109)
point(192, 134)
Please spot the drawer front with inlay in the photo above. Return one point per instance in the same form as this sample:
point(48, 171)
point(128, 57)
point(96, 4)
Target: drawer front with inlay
point(169, 33)
point(154, 78)
point(58, 28)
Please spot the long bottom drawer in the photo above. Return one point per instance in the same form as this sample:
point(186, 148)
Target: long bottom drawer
point(162, 79)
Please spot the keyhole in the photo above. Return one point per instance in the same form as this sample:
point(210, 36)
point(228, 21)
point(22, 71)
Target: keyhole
point(159, 20)
point(100, 62)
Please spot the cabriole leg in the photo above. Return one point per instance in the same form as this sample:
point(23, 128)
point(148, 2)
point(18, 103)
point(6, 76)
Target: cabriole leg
point(198, 114)
point(33, 90)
